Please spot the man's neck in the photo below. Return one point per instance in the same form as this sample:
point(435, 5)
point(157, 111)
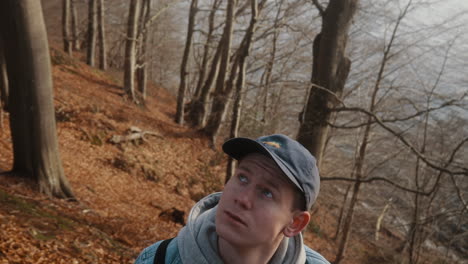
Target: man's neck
point(231, 254)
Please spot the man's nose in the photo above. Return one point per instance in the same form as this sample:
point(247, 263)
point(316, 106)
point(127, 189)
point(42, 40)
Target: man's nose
point(244, 198)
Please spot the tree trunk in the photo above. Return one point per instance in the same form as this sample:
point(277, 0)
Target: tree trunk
point(347, 224)
point(32, 118)
point(358, 170)
point(219, 94)
point(101, 36)
point(183, 67)
point(3, 85)
point(340, 217)
point(92, 22)
point(329, 53)
point(130, 58)
point(67, 44)
point(74, 25)
point(3, 79)
point(142, 60)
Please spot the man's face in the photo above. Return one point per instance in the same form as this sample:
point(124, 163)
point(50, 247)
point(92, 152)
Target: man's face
point(256, 204)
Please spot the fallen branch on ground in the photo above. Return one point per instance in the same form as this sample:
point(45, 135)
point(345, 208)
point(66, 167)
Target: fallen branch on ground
point(134, 134)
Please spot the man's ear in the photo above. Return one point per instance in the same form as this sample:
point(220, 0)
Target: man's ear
point(297, 224)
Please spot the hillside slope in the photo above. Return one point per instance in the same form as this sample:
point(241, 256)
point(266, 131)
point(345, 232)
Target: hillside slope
point(129, 194)
point(121, 188)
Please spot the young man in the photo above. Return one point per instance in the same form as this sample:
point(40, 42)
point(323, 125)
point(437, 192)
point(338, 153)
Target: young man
point(259, 216)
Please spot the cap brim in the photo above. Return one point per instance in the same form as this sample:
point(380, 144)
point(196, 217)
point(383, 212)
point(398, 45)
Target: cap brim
point(237, 148)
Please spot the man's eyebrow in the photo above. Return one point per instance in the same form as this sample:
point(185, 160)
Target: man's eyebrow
point(273, 184)
point(244, 169)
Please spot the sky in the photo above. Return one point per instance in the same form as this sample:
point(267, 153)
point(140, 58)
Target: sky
point(443, 9)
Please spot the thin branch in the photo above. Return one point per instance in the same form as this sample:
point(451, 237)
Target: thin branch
point(411, 147)
point(391, 120)
point(372, 179)
point(319, 7)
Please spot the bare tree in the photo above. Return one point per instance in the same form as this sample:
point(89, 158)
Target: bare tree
point(240, 84)
point(74, 25)
point(130, 51)
point(66, 26)
point(206, 49)
point(199, 106)
point(91, 40)
point(219, 93)
point(183, 67)
point(361, 155)
point(142, 58)
point(101, 36)
point(329, 53)
point(32, 119)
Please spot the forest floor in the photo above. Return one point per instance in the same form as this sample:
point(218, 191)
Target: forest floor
point(134, 193)
point(129, 195)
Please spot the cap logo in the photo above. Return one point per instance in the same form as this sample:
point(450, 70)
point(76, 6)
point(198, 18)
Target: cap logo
point(272, 143)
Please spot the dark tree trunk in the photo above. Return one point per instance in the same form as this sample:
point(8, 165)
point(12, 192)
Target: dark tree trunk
point(329, 53)
point(183, 67)
point(3, 79)
point(67, 44)
point(3, 85)
point(32, 118)
point(92, 24)
point(130, 50)
point(101, 36)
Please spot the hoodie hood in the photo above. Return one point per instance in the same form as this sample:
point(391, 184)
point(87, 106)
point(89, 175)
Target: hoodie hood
point(198, 241)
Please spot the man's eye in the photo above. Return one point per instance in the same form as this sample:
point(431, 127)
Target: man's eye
point(242, 178)
point(267, 193)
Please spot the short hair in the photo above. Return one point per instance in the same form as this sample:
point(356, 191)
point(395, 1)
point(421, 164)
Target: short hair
point(299, 200)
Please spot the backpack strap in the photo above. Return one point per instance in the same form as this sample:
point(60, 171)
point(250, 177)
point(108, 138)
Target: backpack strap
point(160, 257)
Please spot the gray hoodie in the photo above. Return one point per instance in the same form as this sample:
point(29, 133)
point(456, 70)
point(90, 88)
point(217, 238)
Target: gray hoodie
point(197, 243)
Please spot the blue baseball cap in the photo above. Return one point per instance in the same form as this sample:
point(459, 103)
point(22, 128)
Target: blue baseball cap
point(292, 158)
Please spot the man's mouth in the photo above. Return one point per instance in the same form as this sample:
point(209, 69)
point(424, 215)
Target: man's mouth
point(235, 218)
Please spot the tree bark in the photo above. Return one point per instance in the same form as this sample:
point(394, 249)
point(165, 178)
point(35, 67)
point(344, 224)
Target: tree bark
point(101, 36)
point(3, 79)
point(183, 67)
point(67, 44)
point(32, 118)
point(329, 53)
point(130, 44)
point(92, 24)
